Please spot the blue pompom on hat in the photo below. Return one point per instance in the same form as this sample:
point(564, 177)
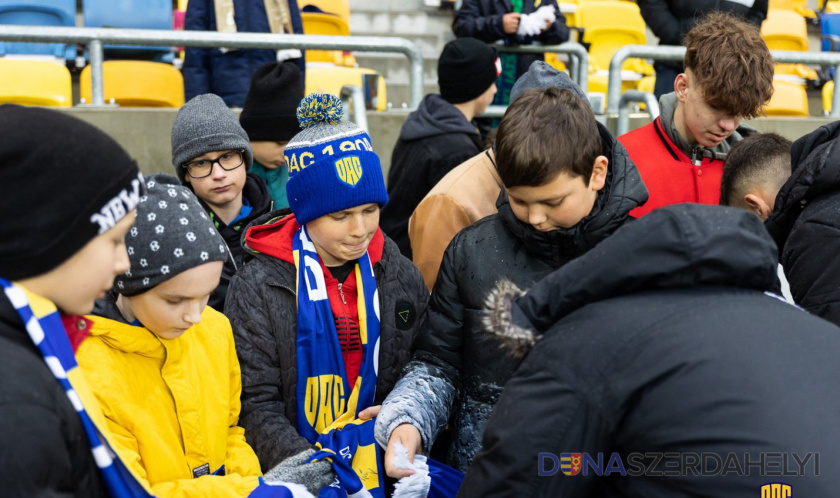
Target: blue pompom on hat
point(332, 165)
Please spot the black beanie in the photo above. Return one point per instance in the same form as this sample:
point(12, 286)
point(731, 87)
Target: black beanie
point(466, 69)
point(62, 183)
point(271, 105)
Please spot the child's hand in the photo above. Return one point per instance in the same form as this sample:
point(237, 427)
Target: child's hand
point(510, 22)
point(409, 437)
point(370, 412)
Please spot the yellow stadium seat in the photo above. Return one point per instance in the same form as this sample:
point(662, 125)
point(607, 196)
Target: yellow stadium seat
point(798, 6)
point(554, 61)
point(827, 95)
point(137, 84)
point(35, 82)
point(327, 78)
point(609, 25)
point(340, 8)
point(789, 99)
point(315, 23)
point(787, 30)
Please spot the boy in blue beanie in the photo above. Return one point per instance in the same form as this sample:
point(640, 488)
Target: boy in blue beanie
point(325, 314)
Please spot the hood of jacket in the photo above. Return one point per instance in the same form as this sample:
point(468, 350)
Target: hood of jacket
point(815, 165)
point(667, 107)
point(623, 191)
point(272, 234)
point(677, 246)
point(434, 117)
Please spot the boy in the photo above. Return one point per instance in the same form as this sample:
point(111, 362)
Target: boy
point(441, 133)
point(568, 185)
point(163, 364)
point(269, 120)
point(59, 250)
point(655, 364)
point(325, 314)
point(211, 155)
point(728, 77)
point(469, 192)
point(799, 208)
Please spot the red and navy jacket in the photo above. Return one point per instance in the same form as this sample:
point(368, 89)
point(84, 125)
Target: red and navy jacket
point(671, 176)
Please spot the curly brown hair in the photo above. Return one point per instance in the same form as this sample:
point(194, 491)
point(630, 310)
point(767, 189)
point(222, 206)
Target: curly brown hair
point(544, 133)
point(731, 63)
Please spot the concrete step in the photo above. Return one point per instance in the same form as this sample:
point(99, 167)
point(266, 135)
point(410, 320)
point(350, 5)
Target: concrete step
point(398, 92)
point(395, 66)
point(387, 5)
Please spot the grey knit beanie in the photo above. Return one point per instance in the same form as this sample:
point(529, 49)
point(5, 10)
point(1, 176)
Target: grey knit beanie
point(172, 234)
point(205, 124)
point(541, 76)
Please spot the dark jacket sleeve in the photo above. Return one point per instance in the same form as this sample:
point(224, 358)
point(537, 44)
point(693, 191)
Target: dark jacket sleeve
point(812, 269)
point(558, 32)
point(758, 13)
point(540, 414)
point(263, 417)
point(41, 459)
point(197, 60)
point(471, 22)
point(661, 21)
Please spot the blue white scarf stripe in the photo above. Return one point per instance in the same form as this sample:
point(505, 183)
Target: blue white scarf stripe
point(48, 334)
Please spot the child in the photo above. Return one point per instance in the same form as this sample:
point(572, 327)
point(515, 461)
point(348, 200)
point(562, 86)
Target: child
point(325, 314)
point(728, 77)
point(270, 121)
point(568, 185)
point(796, 190)
point(441, 133)
point(69, 195)
point(162, 364)
point(212, 156)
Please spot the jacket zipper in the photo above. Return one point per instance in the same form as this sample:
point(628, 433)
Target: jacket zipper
point(341, 293)
point(694, 160)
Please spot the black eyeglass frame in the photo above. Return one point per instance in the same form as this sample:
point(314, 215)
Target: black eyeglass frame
point(214, 162)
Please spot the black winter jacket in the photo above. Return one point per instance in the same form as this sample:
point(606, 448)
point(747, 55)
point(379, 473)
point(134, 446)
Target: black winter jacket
point(43, 447)
point(806, 223)
point(663, 340)
point(482, 19)
point(256, 191)
point(262, 309)
point(464, 374)
point(434, 139)
point(670, 20)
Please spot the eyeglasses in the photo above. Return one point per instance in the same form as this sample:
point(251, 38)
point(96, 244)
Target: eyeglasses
point(204, 167)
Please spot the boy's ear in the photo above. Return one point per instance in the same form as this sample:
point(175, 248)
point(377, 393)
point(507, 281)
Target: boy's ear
point(599, 173)
point(758, 206)
point(681, 84)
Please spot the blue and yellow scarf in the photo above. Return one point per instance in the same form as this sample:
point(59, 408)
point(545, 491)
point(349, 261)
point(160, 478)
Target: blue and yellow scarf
point(43, 323)
point(327, 410)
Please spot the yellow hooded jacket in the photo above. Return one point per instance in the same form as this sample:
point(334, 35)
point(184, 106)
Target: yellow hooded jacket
point(172, 406)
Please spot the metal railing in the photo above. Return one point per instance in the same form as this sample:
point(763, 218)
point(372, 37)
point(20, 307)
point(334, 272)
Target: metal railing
point(578, 63)
point(354, 94)
point(629, 97)
point(677, 53)
point(94, 38)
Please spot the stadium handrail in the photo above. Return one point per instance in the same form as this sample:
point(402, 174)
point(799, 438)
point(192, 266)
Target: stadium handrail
point(96, 37)
point(675, 53)
point(627, 98)
point(578, 63)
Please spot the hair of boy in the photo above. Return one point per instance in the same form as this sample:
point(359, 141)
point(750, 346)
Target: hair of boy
point(172, 234)
point(332, 165)
point(63, 183)
point(206, 124)
point(466, 69)
point(545, 133)
point(269, 113)
point(731, 64)
point(761, 160)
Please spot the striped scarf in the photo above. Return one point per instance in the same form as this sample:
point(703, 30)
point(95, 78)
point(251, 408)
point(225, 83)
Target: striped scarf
point(326, 414)
point(44, 326)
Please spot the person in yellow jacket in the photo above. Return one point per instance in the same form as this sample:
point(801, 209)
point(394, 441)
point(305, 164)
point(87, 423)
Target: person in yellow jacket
point(163, 365)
